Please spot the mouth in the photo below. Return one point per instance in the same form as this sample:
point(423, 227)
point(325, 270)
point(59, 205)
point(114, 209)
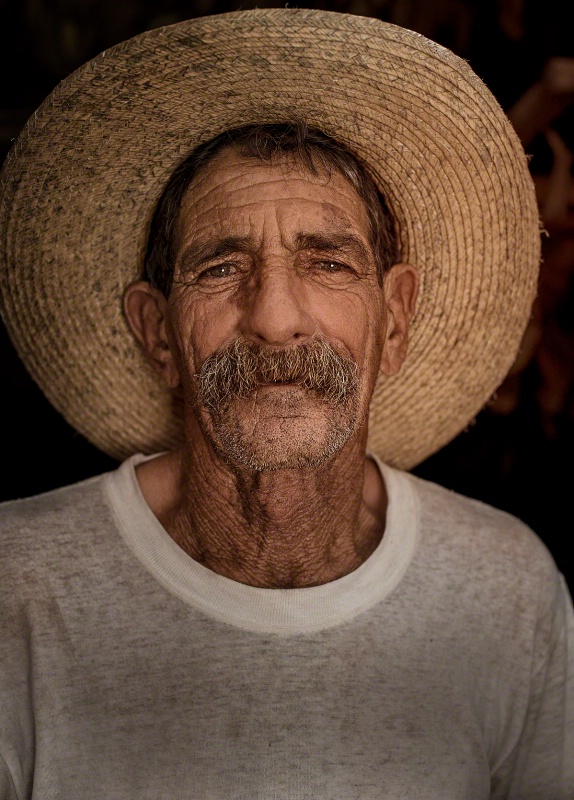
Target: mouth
point(278, 383)
point(269, 385)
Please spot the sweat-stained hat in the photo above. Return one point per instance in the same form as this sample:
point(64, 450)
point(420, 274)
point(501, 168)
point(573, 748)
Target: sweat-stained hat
point(80, 186)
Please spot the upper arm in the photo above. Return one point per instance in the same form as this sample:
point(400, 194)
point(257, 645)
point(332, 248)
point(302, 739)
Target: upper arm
point(541, 765)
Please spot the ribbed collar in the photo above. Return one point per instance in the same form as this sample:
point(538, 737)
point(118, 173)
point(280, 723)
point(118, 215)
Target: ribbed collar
point(287, 611)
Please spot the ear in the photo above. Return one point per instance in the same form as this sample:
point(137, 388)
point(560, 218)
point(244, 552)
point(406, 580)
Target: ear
point(400, 287)
point(145, 310)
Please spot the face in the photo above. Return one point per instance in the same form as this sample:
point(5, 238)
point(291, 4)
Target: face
point(270, 260)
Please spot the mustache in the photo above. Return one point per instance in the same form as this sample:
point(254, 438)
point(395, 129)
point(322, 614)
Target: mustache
point(241, 367)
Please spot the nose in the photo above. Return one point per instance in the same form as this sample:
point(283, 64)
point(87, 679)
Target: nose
point(276, 310)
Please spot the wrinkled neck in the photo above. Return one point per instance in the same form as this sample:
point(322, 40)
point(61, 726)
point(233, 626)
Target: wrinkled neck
point(277, 529)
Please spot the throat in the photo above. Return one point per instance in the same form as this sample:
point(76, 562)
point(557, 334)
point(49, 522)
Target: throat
point(286, 546)
point(281, 529)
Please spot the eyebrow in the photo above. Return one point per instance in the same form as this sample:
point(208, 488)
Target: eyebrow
point(198, 253)
point(333, 242)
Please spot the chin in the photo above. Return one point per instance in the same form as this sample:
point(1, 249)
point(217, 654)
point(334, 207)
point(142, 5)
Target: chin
point(292, 434)
point(270, 454)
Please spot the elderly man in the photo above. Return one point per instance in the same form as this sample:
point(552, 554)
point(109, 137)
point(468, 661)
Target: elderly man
point(284, 304)
point(264, 609)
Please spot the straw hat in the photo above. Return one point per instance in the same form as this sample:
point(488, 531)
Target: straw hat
point(79, 189)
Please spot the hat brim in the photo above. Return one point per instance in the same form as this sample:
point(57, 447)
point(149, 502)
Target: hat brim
point(79, 189)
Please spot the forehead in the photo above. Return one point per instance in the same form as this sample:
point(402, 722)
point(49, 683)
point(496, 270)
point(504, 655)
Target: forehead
point(231, 188)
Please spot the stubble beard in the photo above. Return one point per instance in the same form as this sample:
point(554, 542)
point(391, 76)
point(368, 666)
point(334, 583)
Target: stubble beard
point(266, 409)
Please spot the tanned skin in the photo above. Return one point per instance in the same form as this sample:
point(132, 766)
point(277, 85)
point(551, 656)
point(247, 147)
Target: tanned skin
point(277, 256)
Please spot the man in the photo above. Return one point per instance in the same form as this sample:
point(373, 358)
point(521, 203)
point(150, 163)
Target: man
point(263, 610)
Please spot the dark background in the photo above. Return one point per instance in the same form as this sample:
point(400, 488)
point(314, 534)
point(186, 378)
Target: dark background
point(517, 455)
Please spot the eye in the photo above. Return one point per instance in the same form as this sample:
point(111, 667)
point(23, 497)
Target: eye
point(332, 273)
point(332, 266)
point(224, 270)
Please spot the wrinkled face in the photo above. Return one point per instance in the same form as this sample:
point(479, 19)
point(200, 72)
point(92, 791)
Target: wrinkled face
point(275, 304)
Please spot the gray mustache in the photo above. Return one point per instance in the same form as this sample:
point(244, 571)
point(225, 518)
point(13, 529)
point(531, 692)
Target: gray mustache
point(241, 367)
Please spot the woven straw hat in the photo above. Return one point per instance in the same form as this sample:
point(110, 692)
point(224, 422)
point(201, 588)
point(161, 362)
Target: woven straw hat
point(79, 189)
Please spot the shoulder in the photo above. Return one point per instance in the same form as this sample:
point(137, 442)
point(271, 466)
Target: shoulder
point(490, 582)
point(50, 505)
point(36, 530)
point(482, 549)
point(472, 520)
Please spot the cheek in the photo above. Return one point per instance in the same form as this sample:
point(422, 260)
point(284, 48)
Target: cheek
point(199, 327)
point(354, 318)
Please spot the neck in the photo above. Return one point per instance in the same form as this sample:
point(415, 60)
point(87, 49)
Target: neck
point(281, 529)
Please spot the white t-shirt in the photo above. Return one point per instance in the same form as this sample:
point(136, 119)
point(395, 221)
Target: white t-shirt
point(441, 668)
